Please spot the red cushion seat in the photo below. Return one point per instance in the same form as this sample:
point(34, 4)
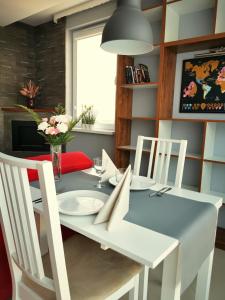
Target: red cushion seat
point(5, 277)
point(71, 161)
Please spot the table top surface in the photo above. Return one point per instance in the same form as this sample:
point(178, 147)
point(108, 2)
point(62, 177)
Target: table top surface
point(143, 245)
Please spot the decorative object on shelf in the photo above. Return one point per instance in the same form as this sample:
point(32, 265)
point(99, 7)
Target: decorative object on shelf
point(203, 85)
point(57, 131)
point(30, 91)
point(212, 52)
point(88, 119)
point(128, 31)
point(137, 74)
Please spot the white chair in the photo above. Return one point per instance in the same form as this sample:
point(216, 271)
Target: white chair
point(160, 158)
point(84, 272)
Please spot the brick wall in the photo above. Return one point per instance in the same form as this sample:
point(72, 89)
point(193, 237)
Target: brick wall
point(17, 64)
point(32, 53)
point(50, 62)
point(17, 61)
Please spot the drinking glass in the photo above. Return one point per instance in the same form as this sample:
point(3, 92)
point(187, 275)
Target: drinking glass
point(99, 170)
point(119, 173)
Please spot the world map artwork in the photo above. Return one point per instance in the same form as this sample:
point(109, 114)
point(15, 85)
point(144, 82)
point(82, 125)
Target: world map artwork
point(203, 85)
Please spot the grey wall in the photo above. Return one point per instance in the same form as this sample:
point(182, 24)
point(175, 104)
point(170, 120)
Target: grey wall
point(92, 144)
point(196, 24)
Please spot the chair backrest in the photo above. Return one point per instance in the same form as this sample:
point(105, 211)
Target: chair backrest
point(19, 228)
point(160, 158)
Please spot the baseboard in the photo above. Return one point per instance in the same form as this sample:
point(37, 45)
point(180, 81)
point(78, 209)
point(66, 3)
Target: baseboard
point(220, 238)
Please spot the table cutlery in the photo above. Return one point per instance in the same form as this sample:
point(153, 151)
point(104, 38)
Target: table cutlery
point(159, 194)
point(37, 200)
point(159, 191)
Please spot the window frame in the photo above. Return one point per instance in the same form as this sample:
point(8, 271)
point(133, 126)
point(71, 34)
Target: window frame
point(77, 35)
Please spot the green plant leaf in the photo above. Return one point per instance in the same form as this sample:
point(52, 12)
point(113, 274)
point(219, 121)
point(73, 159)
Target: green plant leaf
point(34, 115)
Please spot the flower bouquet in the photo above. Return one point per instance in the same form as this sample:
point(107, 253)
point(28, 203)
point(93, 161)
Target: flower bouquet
point(56, 130)
point(30, 91)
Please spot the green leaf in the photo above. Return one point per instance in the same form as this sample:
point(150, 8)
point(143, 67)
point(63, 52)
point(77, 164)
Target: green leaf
point(34, 115)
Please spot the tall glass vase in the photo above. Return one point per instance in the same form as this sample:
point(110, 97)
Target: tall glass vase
point(56, 156)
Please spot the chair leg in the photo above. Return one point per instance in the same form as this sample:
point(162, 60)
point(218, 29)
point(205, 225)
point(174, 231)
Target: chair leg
point(26, 293)
point(133, 293)
point(204, 279)
point(16, 275)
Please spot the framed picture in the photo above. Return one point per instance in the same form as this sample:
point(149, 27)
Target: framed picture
point(203, 85)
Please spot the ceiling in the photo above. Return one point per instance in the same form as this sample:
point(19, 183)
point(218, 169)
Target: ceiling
point(33, 12)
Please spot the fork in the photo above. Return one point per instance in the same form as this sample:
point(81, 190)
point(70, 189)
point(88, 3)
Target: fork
point(157, 193)
point(37, 200)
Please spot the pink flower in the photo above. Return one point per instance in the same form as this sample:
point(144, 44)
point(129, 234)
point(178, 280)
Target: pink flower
point(52, 131)
point(44, 119)
point(52, 120)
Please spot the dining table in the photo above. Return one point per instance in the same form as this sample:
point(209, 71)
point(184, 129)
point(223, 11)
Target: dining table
point(176, 229)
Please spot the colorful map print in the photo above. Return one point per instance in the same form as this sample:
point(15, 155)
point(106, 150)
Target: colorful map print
point(203, 85)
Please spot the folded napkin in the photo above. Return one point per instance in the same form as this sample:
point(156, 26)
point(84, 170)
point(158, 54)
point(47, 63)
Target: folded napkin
point(108, 166)
point(117, 205)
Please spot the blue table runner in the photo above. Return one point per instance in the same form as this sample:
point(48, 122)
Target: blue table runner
point(193, 223)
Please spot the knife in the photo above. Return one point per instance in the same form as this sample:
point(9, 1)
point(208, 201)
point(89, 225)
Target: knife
point(158, 192)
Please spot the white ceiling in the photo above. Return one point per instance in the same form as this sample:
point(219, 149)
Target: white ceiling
point(33, 12)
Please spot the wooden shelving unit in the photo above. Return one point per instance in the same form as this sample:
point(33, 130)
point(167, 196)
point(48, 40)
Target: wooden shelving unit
point(179, 27)
point(143, 85)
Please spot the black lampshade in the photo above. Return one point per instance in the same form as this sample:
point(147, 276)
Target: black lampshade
point(128, 31)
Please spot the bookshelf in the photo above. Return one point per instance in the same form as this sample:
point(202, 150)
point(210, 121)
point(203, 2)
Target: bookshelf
point(180, 28)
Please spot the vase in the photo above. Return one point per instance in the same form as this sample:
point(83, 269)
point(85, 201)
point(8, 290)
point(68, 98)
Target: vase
point(87, 126)
point(30, 102)
point(56, 157)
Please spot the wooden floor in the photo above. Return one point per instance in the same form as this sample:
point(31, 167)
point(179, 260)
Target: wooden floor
point(217, 290)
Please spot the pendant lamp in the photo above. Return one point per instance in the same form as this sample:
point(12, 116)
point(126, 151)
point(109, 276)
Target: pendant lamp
point(128, 31)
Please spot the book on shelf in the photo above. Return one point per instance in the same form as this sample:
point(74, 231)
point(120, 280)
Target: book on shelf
point(129, 76)
point(145, 72)
point(137, 74)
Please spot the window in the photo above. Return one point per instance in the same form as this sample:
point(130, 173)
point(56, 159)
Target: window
point(94, 73)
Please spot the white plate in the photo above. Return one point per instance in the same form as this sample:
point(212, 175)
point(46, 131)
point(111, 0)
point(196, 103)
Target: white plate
point(81, 202)
point(138, 183)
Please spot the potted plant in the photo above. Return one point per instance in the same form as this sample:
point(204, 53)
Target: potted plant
point(88, 119)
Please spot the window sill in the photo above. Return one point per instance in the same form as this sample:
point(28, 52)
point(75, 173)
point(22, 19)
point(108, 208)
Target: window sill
point(94, 130)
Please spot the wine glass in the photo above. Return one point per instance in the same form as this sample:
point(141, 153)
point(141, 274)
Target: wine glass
point(99, 170)
point(119, 173)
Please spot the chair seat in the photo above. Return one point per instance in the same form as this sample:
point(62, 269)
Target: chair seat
point(107, 270)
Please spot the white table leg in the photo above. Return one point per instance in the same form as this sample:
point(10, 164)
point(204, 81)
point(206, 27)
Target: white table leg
point(171, 278)
point(204, 278)
point(143, 284)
